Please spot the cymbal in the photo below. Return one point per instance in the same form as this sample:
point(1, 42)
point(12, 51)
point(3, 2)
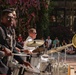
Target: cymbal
point(62, 47)
point(35, 43)
point(38, 50)
point(57, 49)
point(51, 51)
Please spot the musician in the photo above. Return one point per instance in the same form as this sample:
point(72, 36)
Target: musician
point(7, 19)
point(19, 47)
point(31, 36)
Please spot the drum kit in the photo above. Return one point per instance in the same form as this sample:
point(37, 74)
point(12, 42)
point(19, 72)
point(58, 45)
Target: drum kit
point(46, 61)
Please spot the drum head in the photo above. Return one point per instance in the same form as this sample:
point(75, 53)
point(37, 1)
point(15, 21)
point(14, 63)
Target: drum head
point(44, 58)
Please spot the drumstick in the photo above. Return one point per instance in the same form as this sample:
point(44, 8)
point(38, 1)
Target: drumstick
point(20, 54)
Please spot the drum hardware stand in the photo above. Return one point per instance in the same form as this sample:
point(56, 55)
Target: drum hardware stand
point(45, 52)
point(65, 55)
point(22, 69)
point(52, 55)
point(49, 69)
point(58, 61)
point(65, 59)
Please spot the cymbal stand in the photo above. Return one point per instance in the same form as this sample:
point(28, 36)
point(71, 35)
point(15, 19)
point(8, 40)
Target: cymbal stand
point(65, 55)
point(64, 62)
point(58, 61)
point(45, 50)
point(51, 54)
point(49, 69)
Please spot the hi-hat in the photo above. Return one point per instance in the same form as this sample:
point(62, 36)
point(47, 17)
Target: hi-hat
point(35, 43)
point(40, 49)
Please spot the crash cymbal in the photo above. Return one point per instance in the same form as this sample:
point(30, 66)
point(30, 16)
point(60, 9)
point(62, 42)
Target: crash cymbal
point(38, 50)
point(51, 51)
point(57, 49)
point(62, 47)
point(35, 43)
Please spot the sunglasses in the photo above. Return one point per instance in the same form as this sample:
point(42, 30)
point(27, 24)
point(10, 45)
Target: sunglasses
point(34, 33)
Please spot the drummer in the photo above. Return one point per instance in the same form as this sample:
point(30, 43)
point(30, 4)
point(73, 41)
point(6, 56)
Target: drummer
point(31, 36)
point(19, 47)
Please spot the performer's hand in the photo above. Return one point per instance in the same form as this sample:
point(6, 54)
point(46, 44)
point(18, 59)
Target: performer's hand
point(27, 64)
point(17, 49)
point(7, 52)
point(2, 54)
point(27, 51)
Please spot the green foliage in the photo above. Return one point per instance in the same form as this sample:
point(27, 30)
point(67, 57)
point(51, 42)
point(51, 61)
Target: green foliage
point(52, 4)
point(37, 15)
